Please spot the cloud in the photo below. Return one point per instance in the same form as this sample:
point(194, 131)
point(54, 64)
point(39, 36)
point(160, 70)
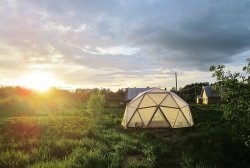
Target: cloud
point(120, 50)
point(199, 39)
point(65, 29)
point(121, 42)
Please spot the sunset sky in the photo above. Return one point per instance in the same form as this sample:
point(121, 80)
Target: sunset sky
point(120, 43)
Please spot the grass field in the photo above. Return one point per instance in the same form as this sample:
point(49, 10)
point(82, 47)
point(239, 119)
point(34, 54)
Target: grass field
point(76, 139)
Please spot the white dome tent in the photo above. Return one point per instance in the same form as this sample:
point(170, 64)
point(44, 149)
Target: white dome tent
point(157, 108)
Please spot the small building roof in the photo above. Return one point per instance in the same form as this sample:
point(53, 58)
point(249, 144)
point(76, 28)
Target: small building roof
point(133, 92)
point(209, 91)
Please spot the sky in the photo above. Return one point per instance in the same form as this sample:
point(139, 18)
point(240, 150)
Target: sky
point(120, 43)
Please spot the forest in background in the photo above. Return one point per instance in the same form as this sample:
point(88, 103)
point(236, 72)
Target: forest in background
point(18, 100)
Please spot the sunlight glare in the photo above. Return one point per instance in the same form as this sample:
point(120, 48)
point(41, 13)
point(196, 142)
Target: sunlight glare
point(40, 81)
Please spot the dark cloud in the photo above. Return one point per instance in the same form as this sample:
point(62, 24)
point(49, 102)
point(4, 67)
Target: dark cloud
point(199, 39)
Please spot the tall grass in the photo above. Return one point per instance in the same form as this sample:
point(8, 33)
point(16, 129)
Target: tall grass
point(74, 139)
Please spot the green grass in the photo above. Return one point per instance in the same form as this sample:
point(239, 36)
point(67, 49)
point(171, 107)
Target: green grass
point(75, 139)
point(2, 119)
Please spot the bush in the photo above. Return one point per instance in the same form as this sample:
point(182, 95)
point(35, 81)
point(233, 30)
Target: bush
point(95, 103)
point(234, 89)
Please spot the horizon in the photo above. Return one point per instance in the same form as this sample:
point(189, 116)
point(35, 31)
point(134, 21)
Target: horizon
point(101, 88)
point(119, 44)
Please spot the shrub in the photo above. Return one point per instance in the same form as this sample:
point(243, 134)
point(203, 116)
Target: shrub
point(95, 103)
point(234, 89)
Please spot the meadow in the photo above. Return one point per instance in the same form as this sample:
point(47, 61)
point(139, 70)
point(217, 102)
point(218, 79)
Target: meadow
point(72, 137)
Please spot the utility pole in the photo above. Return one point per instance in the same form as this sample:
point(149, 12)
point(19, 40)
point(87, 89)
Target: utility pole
point(176, 81)
point(195, 90)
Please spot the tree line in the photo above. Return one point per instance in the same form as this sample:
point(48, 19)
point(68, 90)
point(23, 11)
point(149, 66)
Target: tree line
point(18, 100)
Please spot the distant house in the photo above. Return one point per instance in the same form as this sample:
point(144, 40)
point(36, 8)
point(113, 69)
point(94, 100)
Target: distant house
point(199, 99)
point(131, 93)
point(209, 96)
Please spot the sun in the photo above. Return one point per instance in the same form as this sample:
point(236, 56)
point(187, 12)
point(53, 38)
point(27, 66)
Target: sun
point(39, 81)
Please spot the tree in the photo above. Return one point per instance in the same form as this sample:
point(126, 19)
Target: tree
point(234, 89)
point(190, 91)
point(96, 103)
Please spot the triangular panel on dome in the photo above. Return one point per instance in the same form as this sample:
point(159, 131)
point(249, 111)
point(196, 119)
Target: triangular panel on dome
point(135, 121)
point(158, 98)
point(169, 102)
point(181, 121)
point(186, 111)
point(146, 114)
point(135, 102)
point(146, 102)
point(158, 120)
point(170, 114)
point(129, 112)
point(124, 121)
point(181, 103)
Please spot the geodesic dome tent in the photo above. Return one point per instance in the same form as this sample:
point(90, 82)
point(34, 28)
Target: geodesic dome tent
point(157, 108)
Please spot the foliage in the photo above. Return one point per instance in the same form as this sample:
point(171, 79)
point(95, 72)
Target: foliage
point(235, 94)
point(95, 104)
point(69, 139)
point(211, 146)
point(190, 91)
point(84, 94)
point(20, 101)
